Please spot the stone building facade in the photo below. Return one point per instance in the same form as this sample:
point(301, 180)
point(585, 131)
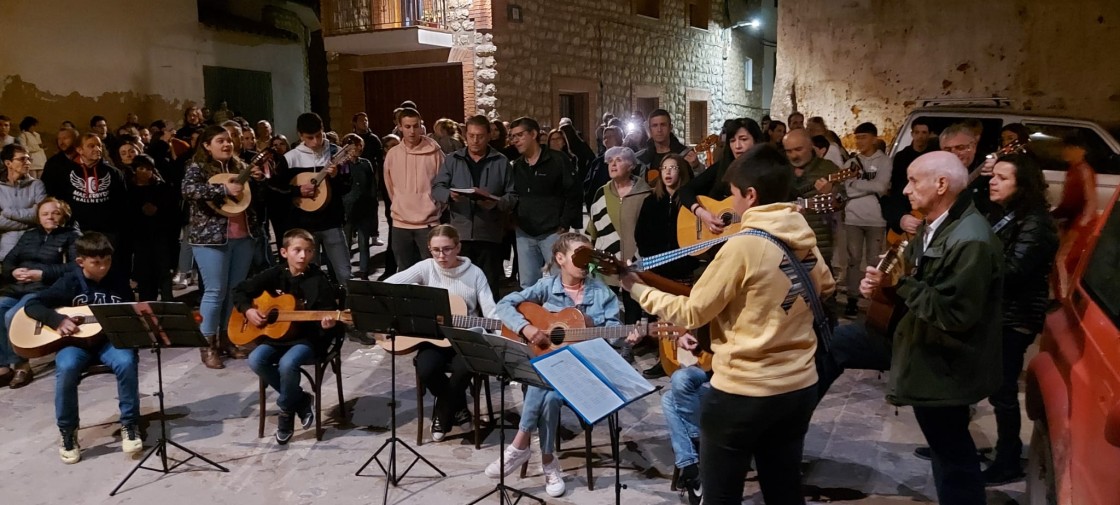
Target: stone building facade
point(581, 58)
point(871, 60)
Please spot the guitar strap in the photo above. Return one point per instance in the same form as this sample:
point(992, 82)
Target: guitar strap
point(667, 257)
point(821, 324)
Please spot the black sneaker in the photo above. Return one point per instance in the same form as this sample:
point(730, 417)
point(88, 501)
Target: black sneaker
point(1002, 473)
point(438, 432)
point(285, 425)
point(654, 372)
point(463, 416)
point(689, 481)
point(306, 413)
point(923, 452)
point(852, 310)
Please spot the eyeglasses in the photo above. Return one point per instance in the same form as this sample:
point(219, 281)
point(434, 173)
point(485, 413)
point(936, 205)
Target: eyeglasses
point(442, 251)
point(670, 168)
point(960, 148)
point(25, 159)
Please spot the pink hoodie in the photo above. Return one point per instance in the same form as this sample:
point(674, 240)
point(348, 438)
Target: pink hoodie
point(408, 178)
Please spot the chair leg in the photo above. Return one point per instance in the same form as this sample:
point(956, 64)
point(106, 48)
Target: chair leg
point(260, 400)
point(587, 456)
point(489, 402)
point(419, 412)
point(317, 388)
point(336, 366)
point(476, 387)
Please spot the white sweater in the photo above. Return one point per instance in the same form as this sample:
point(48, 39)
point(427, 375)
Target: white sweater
point(467, 281)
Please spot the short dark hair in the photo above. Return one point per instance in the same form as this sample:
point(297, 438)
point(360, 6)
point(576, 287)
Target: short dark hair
point(920, 121)
point(4, 118)
point(764, 168)
point(93, 245)
point(159, 124)
point(143, 160)
point(820, 142)
point(354, 118)
point(1030, 184)
point(299, 233)
point(660, 112)
point(28, 123)
point(1076, 139)
point(794, 113)
point(478, 120)
point(309, 122)
point(527, 123)
point(868, 128)
point(96, 119)
point(8, 153)
point(404, 112)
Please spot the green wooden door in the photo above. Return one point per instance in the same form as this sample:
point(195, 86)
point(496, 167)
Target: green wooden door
point(247, 92)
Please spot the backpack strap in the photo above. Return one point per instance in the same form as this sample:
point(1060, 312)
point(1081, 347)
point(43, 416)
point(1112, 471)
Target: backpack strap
point(820, 319)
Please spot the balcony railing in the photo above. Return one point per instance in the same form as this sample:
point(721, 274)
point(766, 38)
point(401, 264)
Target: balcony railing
point(342, 17)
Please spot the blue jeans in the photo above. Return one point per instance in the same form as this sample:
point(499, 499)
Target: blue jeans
point(336, 252)
point(279, 366)
point(186, 254)
point(681, 406)
point(9, 307)
point(69, 364)
point(541, 410)
point(533, 253)
point(222, 267)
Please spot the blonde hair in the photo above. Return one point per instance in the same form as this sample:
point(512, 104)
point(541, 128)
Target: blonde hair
point(565, 242)
point(444, 230)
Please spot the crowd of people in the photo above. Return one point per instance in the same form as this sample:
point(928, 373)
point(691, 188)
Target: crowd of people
point(132, 215)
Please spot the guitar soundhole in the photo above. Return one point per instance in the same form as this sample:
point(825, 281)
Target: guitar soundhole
point(556, 336)
point(272, 316)
point(726, 218)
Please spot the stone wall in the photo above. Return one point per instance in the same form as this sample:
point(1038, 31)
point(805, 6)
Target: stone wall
point(602, 48)
point(870, 60)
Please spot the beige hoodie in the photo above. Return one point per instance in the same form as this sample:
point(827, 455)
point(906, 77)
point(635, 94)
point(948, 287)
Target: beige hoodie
point(760, 348)
point(408, 178)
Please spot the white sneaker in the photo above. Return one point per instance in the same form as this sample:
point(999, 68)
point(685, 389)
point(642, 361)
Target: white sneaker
point(69, 450)
point(514, 458)
point(130, 440)
point(553, 478)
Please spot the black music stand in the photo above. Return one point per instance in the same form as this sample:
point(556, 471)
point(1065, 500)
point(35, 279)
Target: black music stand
point(154, 326)
point(392, 309)
point(502, 358)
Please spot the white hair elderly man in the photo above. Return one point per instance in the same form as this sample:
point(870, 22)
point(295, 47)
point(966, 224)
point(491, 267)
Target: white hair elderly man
point(962, 141)
point(946, 348)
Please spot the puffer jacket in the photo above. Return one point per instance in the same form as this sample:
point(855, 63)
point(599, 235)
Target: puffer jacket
point(17, 209)
point(804, 186)
point(947, 347)
point(53, 253)
point(468, 216)
point(1030, 242)
point(207, 227)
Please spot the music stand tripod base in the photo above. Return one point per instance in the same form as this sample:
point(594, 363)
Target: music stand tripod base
point(154, 326)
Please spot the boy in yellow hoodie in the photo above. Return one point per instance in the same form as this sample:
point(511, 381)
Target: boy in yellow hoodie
point(763, 340)
point(409, 170)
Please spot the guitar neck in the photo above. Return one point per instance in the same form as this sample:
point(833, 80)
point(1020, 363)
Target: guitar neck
point(578, 334)
point(308, 315)
point(473, 322)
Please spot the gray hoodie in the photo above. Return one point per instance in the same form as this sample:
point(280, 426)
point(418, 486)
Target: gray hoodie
point(863, 192)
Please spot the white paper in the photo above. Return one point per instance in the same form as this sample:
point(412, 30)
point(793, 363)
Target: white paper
point(616, 370)
point(579, 386)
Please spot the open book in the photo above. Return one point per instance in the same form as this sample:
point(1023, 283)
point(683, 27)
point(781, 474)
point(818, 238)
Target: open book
point(473, 194)
point(592, 378)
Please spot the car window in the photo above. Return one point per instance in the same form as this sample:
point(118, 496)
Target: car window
point(1102, 275)
point(1046, 143)
point(989, 138)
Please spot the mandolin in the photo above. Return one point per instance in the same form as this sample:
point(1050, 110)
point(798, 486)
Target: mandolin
point(691, 230)
point(232, 206)
point(280, 312)
point(884, 312)
point(322, 193)
point(33, 339)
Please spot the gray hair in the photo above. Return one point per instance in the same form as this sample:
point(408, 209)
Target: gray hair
point(947, 165)
point(954, 130)
point(625, 153)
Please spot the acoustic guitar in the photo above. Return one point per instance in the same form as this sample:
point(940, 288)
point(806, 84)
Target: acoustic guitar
point(568, 326)
point(233, 206)
point(33, 339)
point(280, 312)
point(1014, 147)
point(884, 312)
point(691, 230)
point(322, 193)
point(459, 319)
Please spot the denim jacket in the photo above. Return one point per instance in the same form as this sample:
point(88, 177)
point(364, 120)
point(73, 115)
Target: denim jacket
point(599, 303)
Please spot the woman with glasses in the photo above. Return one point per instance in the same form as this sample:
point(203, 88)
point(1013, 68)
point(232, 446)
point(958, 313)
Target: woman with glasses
point(19, 194)
point(447, 270)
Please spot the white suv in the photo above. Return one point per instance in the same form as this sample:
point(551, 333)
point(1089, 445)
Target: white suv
point(1046, 137)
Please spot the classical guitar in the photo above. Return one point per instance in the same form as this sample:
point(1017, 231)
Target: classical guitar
point(704, 145)
point(691, 230)
point(33, 339)
point(568, 327)
point(459, 319)
point(672, 356)
point(233, 206)
point(883, 311)
point(1014, 147)
point(280, 312)
point(322, 193)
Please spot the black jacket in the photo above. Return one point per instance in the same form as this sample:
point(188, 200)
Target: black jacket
point(548, 195)
point(53, 253)
point(360, 203)
point(312, 290)
point(649, 157)
point(656, 232)
point(163, 223)
point(1029, 243)
point(710, 183)
point(74, 289)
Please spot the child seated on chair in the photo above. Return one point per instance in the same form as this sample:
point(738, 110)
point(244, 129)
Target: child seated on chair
point(278, 362)
point(88, 285)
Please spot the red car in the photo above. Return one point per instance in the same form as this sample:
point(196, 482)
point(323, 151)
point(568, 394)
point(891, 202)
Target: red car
point(1073, 384)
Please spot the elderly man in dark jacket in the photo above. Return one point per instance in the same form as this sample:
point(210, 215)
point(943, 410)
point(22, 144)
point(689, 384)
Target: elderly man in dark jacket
point(946, 352)
point(475, 181)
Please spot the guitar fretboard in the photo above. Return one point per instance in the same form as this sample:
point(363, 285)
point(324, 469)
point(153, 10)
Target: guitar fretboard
point(476, 322)
point(580, 334)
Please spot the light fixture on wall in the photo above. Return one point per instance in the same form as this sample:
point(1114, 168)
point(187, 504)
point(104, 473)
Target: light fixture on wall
point(753, 23)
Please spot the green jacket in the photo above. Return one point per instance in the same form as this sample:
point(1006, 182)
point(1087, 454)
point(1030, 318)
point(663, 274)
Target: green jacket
point(947, 347)
point(803, 186)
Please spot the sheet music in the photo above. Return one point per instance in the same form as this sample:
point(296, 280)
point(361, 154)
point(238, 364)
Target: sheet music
point(618, 373)
point(591, 398)
point(517, 352)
